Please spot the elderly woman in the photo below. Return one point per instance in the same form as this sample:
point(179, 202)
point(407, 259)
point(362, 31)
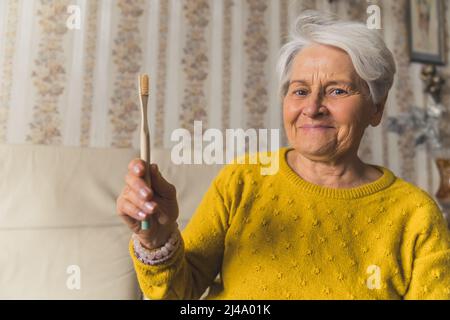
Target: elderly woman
point(326, 225)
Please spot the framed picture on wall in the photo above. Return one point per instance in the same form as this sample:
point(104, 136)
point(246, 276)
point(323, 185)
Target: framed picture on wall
point(427, 31)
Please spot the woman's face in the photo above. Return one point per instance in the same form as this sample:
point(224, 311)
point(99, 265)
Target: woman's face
point(327, 106)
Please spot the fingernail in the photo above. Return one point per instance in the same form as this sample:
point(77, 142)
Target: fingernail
point(149, 206)
point(144, 193)
point(141, 214)
point(137, 169)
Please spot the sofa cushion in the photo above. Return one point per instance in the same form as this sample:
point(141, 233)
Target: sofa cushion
point(58, 223)
point(59, 233)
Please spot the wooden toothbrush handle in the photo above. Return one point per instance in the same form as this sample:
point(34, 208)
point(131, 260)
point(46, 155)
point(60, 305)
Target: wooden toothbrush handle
point(145, 154)
point(145, 151)
point(145, 139)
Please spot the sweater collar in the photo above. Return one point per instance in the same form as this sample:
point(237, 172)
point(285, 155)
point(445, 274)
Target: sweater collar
point(337, 193)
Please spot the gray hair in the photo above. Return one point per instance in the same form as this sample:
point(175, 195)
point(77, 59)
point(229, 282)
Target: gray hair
point(372, 60)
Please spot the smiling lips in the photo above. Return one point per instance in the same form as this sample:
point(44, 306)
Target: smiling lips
point(315, 126)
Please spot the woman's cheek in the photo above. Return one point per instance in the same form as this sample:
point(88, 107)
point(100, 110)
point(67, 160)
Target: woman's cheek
point(348, 111)
point(342, 117)
point(347, 137)
point(291, 112)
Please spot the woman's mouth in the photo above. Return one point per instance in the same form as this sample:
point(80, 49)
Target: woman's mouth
point(319, 127)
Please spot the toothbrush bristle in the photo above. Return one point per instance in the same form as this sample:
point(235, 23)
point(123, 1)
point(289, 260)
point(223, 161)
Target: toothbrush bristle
point(144, 84)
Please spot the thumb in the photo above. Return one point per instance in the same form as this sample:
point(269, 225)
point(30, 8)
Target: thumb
point(160, 185)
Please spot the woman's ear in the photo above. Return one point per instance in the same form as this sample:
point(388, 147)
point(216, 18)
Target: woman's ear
point(378, 114)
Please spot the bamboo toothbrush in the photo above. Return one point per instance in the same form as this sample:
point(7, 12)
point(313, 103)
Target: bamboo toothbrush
point(145, 135)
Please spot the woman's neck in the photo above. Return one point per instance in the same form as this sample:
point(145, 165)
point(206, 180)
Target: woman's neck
point(346, 172)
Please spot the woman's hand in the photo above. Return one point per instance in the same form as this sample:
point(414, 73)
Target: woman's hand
point(157, 203)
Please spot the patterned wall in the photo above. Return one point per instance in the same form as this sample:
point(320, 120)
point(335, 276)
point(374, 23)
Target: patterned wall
point(209, 60)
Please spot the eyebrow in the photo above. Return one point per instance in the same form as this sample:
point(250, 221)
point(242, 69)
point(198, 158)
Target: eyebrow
point(332, 82)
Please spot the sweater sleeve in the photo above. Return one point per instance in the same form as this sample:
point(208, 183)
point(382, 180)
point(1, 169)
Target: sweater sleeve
point(430, 278)
point(195, 265)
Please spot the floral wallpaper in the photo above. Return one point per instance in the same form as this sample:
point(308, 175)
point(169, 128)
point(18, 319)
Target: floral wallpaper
point(256, 49)
point(404, 89)
point(208, 60)
point(89, 67)
point(48, 74)
point(195, 62)
point(127, 56)
point(9, 40)
point(226, 62)
point(163, 29)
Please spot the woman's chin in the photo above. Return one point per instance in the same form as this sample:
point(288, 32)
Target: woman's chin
point(315, 152)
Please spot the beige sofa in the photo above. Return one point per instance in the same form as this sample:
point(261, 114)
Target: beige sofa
point(59, 234)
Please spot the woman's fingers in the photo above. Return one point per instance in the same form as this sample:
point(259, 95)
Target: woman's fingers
point(136, 171)
point(139, 186)
point(136, 167)
point(139, 201)
point(134, 206)
point(126, 207)
point(145, 205)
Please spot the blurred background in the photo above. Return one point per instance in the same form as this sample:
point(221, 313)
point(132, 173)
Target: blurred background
point(68, 79)
point(209, 60)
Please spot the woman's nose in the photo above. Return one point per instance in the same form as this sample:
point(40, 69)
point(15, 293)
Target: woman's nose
point(314, 105)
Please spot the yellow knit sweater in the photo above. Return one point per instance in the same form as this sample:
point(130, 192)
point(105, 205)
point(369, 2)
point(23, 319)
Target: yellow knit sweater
point(281, 237)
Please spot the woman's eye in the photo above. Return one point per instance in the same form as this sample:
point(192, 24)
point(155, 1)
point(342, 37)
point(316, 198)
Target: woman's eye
point(338, 92)
point(300, 92)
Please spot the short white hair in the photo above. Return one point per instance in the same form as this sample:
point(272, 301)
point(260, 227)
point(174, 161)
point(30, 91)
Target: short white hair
point(372, 60)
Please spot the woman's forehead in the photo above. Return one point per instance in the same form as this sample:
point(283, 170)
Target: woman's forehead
point(310, 65)
point(322, 50)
